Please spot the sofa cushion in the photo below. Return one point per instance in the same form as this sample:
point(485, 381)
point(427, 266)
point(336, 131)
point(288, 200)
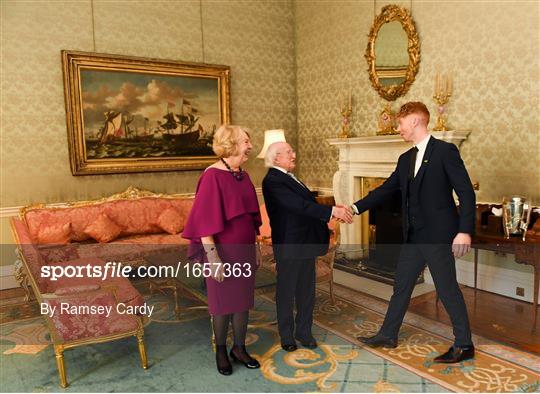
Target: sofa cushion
point(57, 234)
point(134, 216)
point(171, 221)
point(103, 229)
point(137, 217)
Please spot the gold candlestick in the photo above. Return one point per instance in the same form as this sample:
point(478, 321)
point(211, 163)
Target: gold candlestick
point(443, 92)
point(345, 111)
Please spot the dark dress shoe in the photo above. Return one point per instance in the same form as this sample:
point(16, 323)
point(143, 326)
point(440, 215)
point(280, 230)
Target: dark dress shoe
point(310, 343)
point(244, 358)
point(378, 341)
point(289, 347)
point(225, 370)
point(223, 364)
point(455, 355)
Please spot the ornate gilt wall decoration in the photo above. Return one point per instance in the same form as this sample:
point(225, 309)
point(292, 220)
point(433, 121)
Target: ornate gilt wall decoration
point(393, 81)
point(131, 114)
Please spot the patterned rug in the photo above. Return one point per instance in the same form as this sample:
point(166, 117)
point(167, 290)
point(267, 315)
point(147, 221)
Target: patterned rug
point(181, 358)
point(418, 346)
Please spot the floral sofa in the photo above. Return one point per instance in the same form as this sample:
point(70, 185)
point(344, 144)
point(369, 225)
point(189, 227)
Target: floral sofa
point(124, 228)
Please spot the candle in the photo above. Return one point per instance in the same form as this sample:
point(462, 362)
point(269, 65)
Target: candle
point(451, 87)
point(437, 82)
point(350, 101)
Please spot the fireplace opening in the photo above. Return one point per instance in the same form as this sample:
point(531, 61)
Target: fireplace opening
point(381, 238)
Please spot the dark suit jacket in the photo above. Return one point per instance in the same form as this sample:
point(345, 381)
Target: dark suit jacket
point(441, 172)
point(298, 222)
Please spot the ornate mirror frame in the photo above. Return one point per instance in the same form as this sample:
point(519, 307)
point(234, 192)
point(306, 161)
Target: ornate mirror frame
point(389, 14)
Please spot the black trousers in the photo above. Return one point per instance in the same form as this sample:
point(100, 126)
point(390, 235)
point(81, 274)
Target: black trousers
point(295, 282)
point(442, 266)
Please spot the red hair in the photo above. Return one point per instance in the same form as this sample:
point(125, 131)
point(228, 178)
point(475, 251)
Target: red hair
point(413, 107)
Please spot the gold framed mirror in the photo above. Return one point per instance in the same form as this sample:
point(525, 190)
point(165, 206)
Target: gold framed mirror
point(393, 52)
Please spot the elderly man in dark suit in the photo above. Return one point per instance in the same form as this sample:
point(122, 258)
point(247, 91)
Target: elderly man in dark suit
point(434, 232)
point(299, 234)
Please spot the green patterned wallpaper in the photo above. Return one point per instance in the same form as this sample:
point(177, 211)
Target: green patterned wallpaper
point(492, 49)
point(255, 38)
point(286, 57)
point(290, 60)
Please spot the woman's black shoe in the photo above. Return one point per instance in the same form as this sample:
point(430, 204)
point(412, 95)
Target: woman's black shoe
point(251, 363)
point(223, 364)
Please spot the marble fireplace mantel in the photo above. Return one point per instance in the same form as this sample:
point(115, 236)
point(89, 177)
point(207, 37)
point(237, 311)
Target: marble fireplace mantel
point(374, 156)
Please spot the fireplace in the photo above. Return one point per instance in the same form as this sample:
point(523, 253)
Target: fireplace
point(381, 240)
point(370, 246)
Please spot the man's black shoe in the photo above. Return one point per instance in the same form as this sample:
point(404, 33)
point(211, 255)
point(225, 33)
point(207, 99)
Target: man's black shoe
point(455, 355)
point(378, 340)
point(289, 347)
point(310, 343)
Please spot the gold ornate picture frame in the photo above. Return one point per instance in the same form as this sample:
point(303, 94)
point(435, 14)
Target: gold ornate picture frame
point(129, 114)
point(392, 91)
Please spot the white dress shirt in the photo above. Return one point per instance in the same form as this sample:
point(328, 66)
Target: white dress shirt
point(421, 146)
point(281, 169)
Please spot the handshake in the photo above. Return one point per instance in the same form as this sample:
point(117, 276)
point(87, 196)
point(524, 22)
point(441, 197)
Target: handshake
point(343, 213)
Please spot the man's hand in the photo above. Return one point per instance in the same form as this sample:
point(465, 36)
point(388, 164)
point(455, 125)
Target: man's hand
point(343, 214)
point(461, 244)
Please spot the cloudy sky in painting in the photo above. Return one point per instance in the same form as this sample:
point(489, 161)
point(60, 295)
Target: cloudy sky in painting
point(145, 95)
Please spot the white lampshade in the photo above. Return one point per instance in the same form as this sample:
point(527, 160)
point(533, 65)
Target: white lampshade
point(271, 136)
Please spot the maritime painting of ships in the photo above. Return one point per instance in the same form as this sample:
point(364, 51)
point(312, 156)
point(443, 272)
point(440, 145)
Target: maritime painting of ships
point(126, 135)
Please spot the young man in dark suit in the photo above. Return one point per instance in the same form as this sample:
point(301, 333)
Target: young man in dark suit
point(434, 232)
point(299, 234)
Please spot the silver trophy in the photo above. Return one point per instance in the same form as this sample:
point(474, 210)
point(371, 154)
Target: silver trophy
point(516, 216)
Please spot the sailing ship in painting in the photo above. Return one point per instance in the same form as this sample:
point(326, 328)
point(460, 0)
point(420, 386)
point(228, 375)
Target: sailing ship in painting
point(116, 129)
point(186, 121)
point(179, 134)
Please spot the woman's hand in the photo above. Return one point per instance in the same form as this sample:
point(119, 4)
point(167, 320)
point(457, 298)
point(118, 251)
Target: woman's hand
point(218, 272)
point(216, 265)
point(212, 256)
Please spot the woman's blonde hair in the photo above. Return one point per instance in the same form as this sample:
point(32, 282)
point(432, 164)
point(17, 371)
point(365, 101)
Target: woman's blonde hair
point(226, 140)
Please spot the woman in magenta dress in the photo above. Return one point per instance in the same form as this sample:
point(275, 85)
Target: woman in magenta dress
point(222, 227)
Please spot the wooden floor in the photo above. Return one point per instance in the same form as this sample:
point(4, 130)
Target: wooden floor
point(491, 315)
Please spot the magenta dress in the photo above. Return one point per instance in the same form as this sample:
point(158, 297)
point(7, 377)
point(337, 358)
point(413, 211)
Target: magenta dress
point(228, 210)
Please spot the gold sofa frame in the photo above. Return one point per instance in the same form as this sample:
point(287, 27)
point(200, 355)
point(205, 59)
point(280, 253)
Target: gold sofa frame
point(27, 281)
